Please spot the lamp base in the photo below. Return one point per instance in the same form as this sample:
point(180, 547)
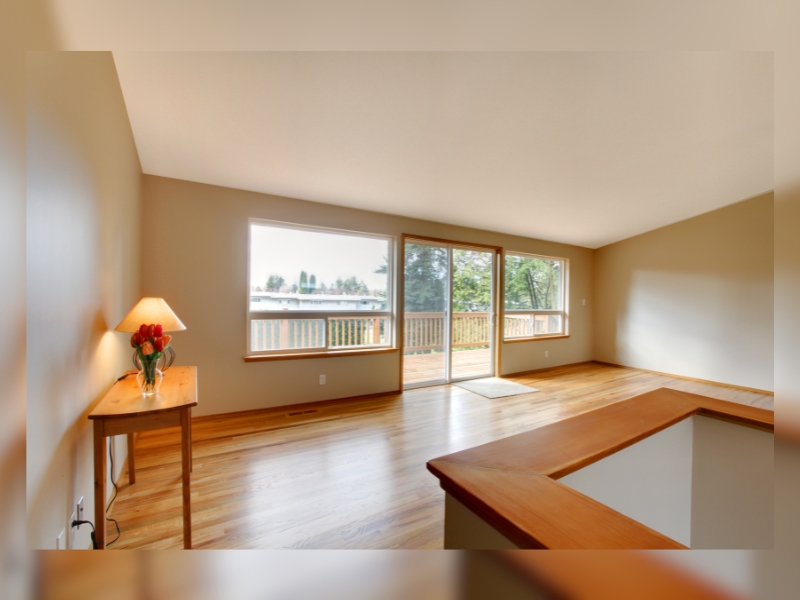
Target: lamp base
point(164, 362)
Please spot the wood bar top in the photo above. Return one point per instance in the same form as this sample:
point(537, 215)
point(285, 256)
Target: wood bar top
point(510, 483)
point(178, 390)
point(598, 575)
point(505, 499)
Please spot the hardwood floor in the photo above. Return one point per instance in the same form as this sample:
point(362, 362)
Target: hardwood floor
point(349, 474)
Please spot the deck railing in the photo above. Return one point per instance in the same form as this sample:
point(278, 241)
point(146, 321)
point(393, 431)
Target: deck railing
point(422, 331)
point(299, 334)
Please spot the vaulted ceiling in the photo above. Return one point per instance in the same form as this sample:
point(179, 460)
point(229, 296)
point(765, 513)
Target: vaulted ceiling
point(585, 148)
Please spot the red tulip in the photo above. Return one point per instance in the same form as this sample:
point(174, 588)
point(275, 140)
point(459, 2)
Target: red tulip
point(143, 330)
point(133, 340)
point(158, 331)
point(150, 330)
point(158, 344)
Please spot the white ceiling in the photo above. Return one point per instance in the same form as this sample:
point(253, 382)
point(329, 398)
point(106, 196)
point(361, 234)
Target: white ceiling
point(585, 148)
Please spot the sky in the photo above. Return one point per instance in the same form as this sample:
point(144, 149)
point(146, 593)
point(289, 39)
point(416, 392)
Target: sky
point(285, 252)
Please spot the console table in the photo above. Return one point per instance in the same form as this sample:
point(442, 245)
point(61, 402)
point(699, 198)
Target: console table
point(124, 410)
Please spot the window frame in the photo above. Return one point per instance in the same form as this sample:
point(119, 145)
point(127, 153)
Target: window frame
point(564, 311)
point(311, 315)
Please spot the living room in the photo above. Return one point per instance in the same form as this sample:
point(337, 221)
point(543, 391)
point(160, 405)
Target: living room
point(132, 168)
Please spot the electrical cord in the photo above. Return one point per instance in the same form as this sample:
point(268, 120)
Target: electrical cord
point(78, 523)
point(110, 502)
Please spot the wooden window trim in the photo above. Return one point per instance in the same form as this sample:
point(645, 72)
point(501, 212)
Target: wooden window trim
point(538, 338)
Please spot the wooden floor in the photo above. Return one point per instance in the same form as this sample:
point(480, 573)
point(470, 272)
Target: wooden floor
point(349, 474)
point(430, 367)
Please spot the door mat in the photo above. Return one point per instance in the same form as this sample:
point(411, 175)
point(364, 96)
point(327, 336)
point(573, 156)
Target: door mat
point(495, 387)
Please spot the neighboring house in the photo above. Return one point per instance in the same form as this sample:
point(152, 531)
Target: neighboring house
point(279, 301)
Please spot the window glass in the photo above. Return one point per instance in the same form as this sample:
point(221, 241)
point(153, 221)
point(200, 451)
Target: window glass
point(340, 280)
point(533, 283)
point(299, 269)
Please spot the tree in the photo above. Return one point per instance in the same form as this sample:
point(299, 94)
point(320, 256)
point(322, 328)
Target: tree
point(274, 283)
point(312, 283)
point(472, 281)
point(532, 283)
point(303, 287)
point(425, 277)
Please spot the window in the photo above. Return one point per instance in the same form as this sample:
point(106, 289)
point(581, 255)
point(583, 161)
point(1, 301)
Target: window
point(309, 289)
point(535, 296)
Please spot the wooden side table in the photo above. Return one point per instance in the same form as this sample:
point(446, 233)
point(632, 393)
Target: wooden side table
point(124, 410)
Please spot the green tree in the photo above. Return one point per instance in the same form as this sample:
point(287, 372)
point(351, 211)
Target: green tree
point(472, 281)
point(425, 278)
point(533, 283)
point(274, 283)
point(312, 283)
point(303, 287)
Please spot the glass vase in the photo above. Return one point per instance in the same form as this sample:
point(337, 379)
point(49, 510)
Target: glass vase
point(149, 378)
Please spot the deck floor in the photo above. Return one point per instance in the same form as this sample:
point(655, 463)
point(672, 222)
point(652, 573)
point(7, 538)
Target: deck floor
point(419, 368)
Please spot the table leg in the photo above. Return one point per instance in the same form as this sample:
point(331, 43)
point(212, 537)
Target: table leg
point(99, 484)
point(191, 454)
point(131, 460)
point(186, 464)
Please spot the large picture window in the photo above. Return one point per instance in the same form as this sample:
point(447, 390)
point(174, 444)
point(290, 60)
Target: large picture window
point(314, 289)
point(535, 296)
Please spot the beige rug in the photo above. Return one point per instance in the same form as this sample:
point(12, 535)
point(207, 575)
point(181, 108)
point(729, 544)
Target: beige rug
point(495, 387)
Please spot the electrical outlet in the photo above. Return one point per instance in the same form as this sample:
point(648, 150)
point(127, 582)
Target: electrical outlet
point(60, 541)
point(584, 301)
point(322, 379)
point(80, 510)
point(546, 353)
point(72, 530)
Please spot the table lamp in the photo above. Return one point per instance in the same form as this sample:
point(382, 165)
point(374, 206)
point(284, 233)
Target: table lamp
point(157, 312)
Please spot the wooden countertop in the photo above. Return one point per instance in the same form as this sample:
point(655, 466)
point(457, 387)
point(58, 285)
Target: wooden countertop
point(178, 390)
point(511, 483)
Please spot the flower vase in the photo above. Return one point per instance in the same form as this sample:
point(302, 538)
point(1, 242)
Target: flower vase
point(149, 378)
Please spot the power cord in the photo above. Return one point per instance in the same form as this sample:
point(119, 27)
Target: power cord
point(114, 497)
point(78, 523)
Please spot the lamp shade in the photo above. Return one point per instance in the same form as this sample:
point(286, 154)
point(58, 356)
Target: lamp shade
point(151, 310)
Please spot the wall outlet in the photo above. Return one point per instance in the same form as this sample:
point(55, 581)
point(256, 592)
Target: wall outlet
point(60, 541)
point(584, 301)
point(546, 353)
point(80, 509)
point(72, 531)
point(322, 379)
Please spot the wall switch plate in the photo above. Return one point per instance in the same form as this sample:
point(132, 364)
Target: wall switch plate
point(546, 353)
point(584, 301)
point(322, 379)
point(60, 541)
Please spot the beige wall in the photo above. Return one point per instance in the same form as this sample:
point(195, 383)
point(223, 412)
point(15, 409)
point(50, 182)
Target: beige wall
point(194, 254)
point(83, 202)
point(694, 298)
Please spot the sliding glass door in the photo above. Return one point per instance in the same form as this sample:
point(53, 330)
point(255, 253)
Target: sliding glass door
point(473, 285)
point(448, 328)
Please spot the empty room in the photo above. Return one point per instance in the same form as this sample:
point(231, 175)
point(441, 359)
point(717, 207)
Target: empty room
point(399, 300)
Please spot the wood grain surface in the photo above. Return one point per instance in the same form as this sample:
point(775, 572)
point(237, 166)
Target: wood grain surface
point(349, 473)
point(510, 483)
point(178, 390)
point(535, 511)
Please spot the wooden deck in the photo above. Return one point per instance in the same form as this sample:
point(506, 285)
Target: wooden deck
point(418, 368)
point(349, 474)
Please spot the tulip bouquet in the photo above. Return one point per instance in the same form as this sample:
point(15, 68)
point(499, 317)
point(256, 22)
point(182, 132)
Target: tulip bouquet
point(149, 342)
